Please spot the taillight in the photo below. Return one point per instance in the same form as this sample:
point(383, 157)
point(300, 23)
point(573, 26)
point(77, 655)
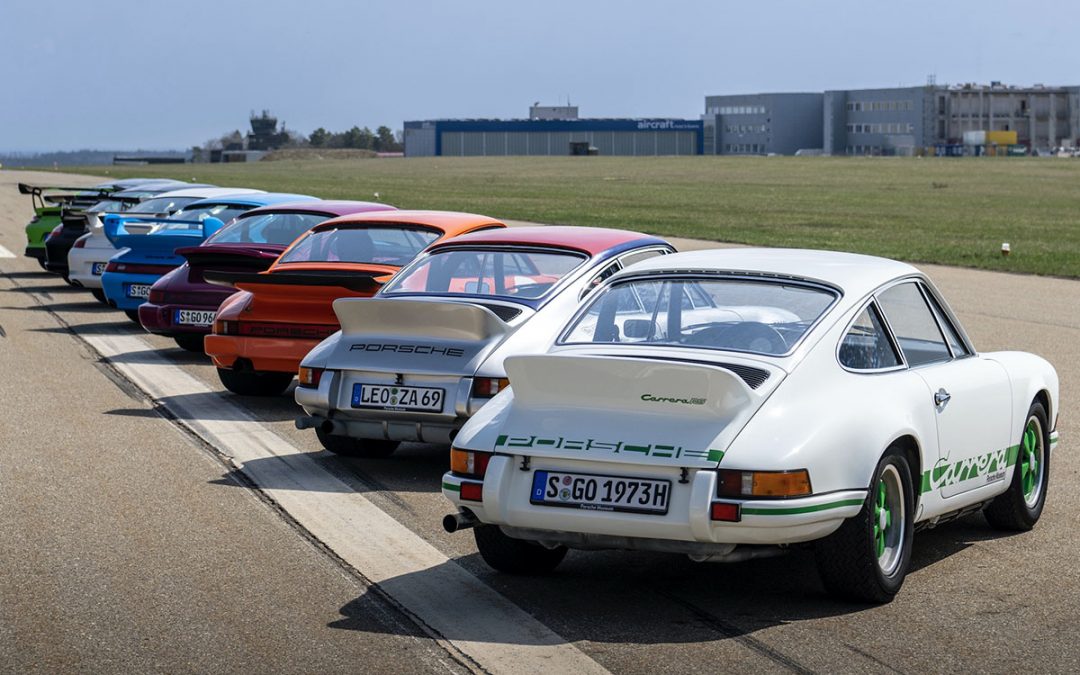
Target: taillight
point(486, 387)
point(725, 511)
point(309, 377)
point(222, 327)
point(134, 268)
point(469, 462)
point(79, 243)
point(156, 296)
point(733, 483)
point(473, 492)
point(55, 231)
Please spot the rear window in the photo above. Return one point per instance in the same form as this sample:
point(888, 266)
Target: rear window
point(267, 228)
point(378, 245)
point(162, 204)
point(528, 274)
point(223, 212)
point(761, 317)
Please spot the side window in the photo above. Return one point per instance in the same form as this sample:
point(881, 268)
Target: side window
point(951, 335)
point(913, 324)
point(866, 346)
point(637, 256)
point(599, 278)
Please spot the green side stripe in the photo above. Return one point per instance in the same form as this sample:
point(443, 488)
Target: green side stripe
point(715, 455)
point(451, 487)
point(753, 511)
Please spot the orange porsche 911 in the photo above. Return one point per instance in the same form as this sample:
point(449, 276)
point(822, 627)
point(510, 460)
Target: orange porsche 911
point(261, 333)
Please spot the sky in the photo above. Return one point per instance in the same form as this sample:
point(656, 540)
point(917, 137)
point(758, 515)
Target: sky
point(150, 74)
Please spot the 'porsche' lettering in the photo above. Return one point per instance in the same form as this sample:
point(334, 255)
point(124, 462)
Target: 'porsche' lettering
point(409, 349)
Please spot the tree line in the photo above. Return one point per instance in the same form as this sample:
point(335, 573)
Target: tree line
point(381, 140)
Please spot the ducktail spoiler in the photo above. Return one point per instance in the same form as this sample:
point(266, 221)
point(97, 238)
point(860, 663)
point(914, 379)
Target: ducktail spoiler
point(354, 281)
point(437, 319)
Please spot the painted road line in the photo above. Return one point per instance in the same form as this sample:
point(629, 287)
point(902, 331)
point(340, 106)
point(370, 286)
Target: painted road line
point(4, 253)
point(492, 631)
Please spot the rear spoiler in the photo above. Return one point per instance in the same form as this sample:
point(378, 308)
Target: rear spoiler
point(27, 189)
point(232, 257)
point(114, 224)
point(361, 282)
point(443, 319)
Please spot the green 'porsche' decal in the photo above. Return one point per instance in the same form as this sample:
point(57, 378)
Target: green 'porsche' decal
point(992, 463)
point(650, 450)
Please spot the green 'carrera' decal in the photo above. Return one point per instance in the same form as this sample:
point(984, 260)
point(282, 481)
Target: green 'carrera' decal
point(944, 474)
point(650, 450)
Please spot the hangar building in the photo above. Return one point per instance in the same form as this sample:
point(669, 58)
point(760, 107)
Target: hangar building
point(600, 136)
point(762, 124)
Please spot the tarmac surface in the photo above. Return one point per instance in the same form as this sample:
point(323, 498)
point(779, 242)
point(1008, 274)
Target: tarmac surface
point(139, 538)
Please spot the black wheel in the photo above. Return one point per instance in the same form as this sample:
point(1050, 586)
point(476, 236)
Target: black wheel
point(1018, 508)
point(348, 446)
point(254, 384)
point(132, 314)
point(68, 281)
point(515, 556)
point(867, 559)
point(41, 261)
point(99, 295)
point(192, 342)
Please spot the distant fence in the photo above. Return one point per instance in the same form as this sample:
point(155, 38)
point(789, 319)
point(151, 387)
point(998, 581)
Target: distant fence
point(140, 161)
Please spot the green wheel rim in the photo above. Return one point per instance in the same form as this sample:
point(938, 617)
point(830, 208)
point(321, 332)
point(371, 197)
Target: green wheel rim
point(888, 519)
point(1031, 462)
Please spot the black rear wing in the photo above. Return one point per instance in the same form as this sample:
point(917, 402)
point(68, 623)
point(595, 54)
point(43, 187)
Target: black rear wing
point(360, 282)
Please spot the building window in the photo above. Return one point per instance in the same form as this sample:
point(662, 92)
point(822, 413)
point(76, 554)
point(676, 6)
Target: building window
point(910, 126)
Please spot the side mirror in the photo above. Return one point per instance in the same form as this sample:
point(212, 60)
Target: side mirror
point(637, 329)
point(210, 226)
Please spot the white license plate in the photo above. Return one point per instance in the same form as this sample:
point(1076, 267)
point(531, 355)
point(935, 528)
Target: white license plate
point(396, 397)
point(194, 317)
point(97, 269)
point(137, 290)
point(600, 493)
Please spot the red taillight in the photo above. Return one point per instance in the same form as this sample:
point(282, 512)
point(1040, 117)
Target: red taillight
point(55, 232)
point(309, 377)
point(131, 268)
point(486, 387)
point(80, 243)
point(222, 327)
point(157, 296)
point(469, 463)
point(473, 492)
point(725, 512)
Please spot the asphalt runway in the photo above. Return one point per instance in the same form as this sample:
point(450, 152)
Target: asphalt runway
point(145, 530)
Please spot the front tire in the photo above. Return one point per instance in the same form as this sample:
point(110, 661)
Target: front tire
point(1018, 508)
point(190, 342)
point(347, 446)
point(254, 383)
point(867, 559)
point(515, 556)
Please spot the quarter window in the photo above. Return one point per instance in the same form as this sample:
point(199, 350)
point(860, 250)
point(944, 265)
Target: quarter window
point(913, 324)
point(866, 346)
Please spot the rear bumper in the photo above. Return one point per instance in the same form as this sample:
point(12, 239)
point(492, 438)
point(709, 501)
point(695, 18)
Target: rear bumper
point(35, 251)
point(81, 264)
point(160, 319)
point(277, 355)
point(506, 490)
point(115, 284)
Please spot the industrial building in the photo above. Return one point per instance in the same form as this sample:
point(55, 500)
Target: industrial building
point(762, 124)
point(935, 119)
point(553, 130)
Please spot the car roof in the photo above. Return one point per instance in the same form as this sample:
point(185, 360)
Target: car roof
point(589, 240)
point(253, 199)
point(854, 274)
point(450, 222)
point(333, 207)
point(206, 192)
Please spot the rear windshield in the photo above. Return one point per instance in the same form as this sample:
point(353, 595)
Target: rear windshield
point(762, 317)
point(528, 274)
point(166, 205)
point(267, 228)
point(377, 245)
point(223, 212)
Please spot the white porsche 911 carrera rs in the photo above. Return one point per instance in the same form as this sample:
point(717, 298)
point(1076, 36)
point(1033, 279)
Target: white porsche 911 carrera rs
point(730, 404)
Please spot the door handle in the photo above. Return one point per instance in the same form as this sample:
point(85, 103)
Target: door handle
point(941, 397)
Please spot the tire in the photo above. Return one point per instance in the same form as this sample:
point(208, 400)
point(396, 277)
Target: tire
point(254, 383)
point(863, 560)
point(99, 295)
point(192, 342)
point(1018, 508)
point(41, 261)
point(347, 446)
point(68, 281)
point(515, 556)
point(133, 314)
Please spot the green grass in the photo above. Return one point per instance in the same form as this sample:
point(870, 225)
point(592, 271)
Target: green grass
point(949, 211)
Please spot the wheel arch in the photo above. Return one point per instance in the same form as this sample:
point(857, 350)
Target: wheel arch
point(912, 449)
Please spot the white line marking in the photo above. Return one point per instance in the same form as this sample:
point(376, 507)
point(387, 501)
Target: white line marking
point(4, 253)
point(481, 623)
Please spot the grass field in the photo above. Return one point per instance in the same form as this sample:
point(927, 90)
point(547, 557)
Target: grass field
point(950, 211)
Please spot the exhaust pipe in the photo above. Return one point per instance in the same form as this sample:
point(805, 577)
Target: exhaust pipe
point(462, 520)
point(308, 422)
point(327, 426)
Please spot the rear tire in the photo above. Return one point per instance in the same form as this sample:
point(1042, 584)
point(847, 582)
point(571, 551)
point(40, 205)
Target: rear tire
point(133, 314)
point(1018, 508)
point(867, 559)
point(347, 446)
point(192, 342)
point(515, 556)
point(254, 383)
point(99, 295)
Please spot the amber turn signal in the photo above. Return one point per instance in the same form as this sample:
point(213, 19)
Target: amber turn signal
point(733, 483)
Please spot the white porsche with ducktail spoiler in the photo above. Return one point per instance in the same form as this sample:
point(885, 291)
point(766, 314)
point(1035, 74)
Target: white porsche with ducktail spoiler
point(730, 404)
